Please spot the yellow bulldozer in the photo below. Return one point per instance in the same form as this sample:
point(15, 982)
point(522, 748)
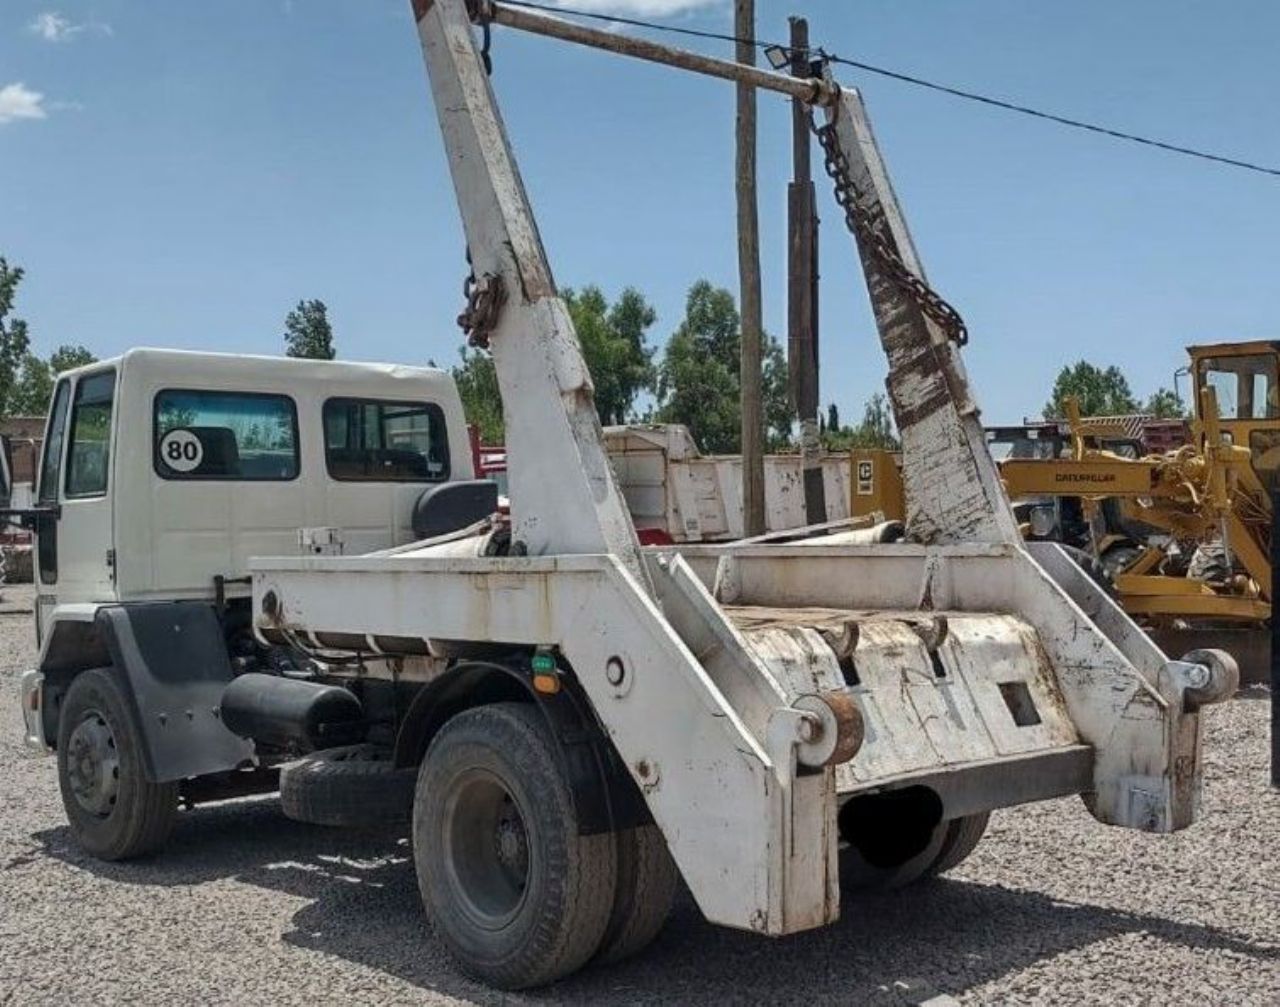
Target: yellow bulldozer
point(1182, 537)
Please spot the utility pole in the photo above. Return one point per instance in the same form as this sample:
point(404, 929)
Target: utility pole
point(802, 286)
point(744, 22)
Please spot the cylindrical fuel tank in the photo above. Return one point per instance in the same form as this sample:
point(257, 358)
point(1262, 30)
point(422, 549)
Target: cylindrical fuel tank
point(287, 713)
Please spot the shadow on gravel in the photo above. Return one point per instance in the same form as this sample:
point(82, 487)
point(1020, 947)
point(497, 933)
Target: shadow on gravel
point(946, 935)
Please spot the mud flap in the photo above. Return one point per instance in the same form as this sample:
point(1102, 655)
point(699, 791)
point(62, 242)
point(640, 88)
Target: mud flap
point(174, 662)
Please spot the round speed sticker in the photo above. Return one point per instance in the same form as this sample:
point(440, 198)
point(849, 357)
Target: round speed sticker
point(181, 450)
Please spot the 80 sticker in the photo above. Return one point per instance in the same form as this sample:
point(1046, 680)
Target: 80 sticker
point(181, 450)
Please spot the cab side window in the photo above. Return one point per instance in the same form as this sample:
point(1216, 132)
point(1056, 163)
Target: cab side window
point(240, 436)
point(51, 464)
point(89, 453)
point(366, 440)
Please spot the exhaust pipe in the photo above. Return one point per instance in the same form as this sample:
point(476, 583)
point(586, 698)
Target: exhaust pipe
point(291, 714)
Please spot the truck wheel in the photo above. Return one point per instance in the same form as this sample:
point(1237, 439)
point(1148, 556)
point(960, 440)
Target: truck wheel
point(355, 785)
point(647, 883)
point(114, 811)
point(963, 835)
point(517, 896)
point(891, 839)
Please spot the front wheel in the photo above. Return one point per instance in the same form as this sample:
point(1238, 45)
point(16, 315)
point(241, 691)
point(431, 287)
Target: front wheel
point(114, 811)
point(512, 889)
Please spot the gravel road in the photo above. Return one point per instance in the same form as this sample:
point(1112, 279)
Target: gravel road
point(247, 906)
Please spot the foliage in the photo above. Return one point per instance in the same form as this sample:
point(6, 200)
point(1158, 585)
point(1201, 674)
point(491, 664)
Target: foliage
point(34, 385)
point(698, 380)
point(477, 382)
point(14, 342)
point(614, 347)
point(875, 431)
point(1101, 392)
point(1165, 405)
point(307, 332)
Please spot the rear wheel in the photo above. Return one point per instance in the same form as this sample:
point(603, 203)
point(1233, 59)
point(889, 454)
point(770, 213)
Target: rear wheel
point(894, 839)
point(114, 811)
point(963, 836)
point(647, 883)
point(517, 896)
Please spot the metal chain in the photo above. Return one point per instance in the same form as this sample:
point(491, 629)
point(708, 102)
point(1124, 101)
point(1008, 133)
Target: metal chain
point(859, 222)
point(485, 296)
point(481, 13)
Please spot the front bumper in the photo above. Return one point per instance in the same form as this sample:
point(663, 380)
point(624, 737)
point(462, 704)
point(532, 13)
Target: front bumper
point(31, 696)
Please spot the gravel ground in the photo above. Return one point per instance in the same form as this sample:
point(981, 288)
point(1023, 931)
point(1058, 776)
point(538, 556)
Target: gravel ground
point(247, 906)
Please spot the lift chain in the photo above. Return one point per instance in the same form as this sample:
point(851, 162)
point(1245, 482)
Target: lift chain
point(485, 297)
point(860, 224)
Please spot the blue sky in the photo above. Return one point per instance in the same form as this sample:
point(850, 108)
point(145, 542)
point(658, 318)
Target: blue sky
point(180, 174)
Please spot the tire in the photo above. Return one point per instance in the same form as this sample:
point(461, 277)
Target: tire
point(515, 894)
point(646, 889)
point(858, 874)
point(890, 839)
point(352, 786)
point(963, 835)
point(114, 811)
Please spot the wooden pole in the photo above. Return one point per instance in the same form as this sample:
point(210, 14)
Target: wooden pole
point(749, 282)
point(802, 287)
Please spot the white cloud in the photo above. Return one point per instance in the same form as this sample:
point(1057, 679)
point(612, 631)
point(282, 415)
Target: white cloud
point(644, 8)
point(53, 27)
point(17, 101)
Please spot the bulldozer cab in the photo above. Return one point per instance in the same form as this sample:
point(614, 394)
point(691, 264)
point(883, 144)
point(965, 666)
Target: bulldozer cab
point(1245, 377)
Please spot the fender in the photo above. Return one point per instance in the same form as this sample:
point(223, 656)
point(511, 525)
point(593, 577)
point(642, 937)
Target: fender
point(605, 797)
point(173, 663)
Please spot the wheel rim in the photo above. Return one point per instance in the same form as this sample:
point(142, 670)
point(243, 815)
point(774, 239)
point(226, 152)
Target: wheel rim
point(93, 765)
point(487, 851)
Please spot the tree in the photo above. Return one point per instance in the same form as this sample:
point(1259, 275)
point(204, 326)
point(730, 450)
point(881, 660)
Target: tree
point(34, 384)
point(1100, 392)
point(697, 378)
point(14, 341)
point(477, 382)
point(833, 418)
point(69, 356)
point(614, 346)
point(307, 332)
point(875, 431)
point(1165, 405)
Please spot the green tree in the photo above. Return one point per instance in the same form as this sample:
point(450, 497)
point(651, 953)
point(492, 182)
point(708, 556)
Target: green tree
point(34, 384)
point(615, 348)
point(1101, 392)
point(477, 382)
point(697, 378)
point(307, 332)
point(1165, 405)
point(876, 429)
point(14, 341)
point(833, 418)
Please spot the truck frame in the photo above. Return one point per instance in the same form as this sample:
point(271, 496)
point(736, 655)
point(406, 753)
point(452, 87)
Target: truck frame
point(571, 720)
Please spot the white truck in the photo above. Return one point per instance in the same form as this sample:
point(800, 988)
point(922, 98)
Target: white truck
point(260, 573)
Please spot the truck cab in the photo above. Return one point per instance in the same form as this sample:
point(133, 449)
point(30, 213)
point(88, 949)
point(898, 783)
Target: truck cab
point(1245, 378)
point(163, 471)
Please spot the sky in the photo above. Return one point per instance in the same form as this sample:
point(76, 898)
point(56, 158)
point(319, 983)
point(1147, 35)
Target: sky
point(181, 174)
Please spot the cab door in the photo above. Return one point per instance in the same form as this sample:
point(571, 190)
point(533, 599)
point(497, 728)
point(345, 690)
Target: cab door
point(75, 558)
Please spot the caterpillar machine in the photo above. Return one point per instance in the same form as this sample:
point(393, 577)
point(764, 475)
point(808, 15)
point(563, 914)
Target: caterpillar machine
point(587, 720)
point(1181, 537)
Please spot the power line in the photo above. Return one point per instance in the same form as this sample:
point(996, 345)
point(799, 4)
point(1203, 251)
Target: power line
point(904, 78)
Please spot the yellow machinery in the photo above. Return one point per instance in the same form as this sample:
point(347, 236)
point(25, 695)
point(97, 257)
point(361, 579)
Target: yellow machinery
point(1210, 496)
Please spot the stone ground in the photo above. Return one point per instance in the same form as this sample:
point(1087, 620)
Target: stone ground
point(247, 906)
